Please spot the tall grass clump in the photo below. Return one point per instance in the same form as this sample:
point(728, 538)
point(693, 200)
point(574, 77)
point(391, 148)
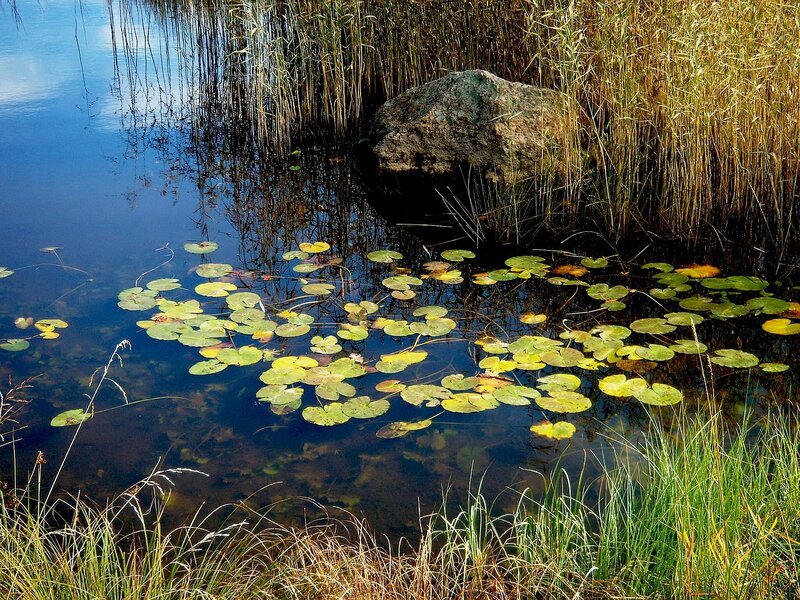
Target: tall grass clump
point(690, 112)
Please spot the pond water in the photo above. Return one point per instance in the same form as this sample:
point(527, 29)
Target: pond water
point(105, 179)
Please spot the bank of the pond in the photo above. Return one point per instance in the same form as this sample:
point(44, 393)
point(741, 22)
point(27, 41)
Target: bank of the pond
point(695, 510)
point(691, 120)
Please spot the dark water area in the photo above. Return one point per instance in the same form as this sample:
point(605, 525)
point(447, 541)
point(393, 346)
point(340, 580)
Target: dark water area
point(105, 177)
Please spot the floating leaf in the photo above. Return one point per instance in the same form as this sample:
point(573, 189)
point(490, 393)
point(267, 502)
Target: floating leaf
point(215, 289)
point(659, 266)
point(401, 282)
point(5, 272)
point(457, 255)
point(735, 359)
point(469, 402)
point(401, 428)
point(684, 319)
point(328, 415)
point(497, 365)
point(163, 285)
point(594, 263)
point(561, 430)
point(354, 333)
point(384, 256)
point(49, 324)
point(279, 394)
point(240, 357)
point(531, 344)
point(333, 389)
point(212, 270)
point(362, 407)
point(292, 254)
point(768, 305)
point(347, 367)
point(562, 357)
point(306, 267)
point(23, 322)
point(403, 294)
point(572, 270)
point(397, 328)
point(390, 386)
point(562, 401)
point(527, 263)
point(515, 395)
point(325, 345)
point(742, 283)
point(314, 247)
point(611, 332)
point(204, 247)
point(655, 352)
point(207, 367)
point(292, 330)
point(696, 271)
point(688, 347)
point(451, 277)
point(659, 394)
point(458, 383)
point(198, 339)
point(620, 386)
point(532, 318)
point(430, 394)
point(652, 326)
point(137, 298)
point(774, 367)
point(602, 291)
point(559, 381)
point(74, 416)
point(245, 300)
point(319, 289)
point(168, 331)
point(781, 327)
point(15, 345)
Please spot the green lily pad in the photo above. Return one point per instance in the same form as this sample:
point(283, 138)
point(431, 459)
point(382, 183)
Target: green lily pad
point(180, 310)
point(5, 272)
point(431, 395)
point(397, 328)
point(659, 266)
point(673, 280)
point(291, 330)
point(401, 282)
point(655, 352)
point(611, 332)
point(353, 333)
point(562, 357)
point(362, 407)
point(502, 275)
point(306, 267)
point(243, 301)
point(662, 293)
point(199, 339)
point(620, 386)
point(526, 263)
point(434, 327)
point(659, 394)
point(774, 367)
point(594, 263)
point(696, 303)
point(652, 326)
point(457, 255)
point(15, 345)
point(458, 383)
point(168, 331)
point(137, 298)
point(285, 408)
point(200, 247)
point(736, 359)
point(401, 428)
point(163, 285)
point(283, 375)
point(602, 291)
point(212, 270)
point(240, 357)
point(325, 345)
point(561, 430)
point(741, 283)
point(688, 347)
point(562, 401)
point(559, 382)
point(362, 309)
point(684, 319)
point(74, 416)
point(328, 415)
point(532, 344)
point(215, 289)
point(384, 256)
point(516, 395)
point(333, 389)
point(207, 367)
point(279, 394)
point(497, 365)
point(295, 254)
point(767, 305)
point(469, 402)
point(728, 310)
point(319, 289)
point(347, 368)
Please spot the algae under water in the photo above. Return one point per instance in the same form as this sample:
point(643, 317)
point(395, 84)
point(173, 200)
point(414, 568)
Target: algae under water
point(290, 339)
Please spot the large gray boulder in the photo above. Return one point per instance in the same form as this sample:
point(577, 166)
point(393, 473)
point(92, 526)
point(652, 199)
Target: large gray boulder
point(508, 131)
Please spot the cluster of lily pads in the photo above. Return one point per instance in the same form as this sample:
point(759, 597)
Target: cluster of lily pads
point(47, 329)
point(233, 326)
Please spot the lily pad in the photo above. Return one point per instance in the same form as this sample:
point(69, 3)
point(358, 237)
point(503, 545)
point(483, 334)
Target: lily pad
point(353, 333)
point(279, 394)
point(314, 247)
point(458, 383)
point(774, 367)
point(515, 395)
point(684, 319)
point(74, 416)
point(602, 291)
point(168, 331)
point(431, 395)
point(291, 330)
point(243, 301)
point(384, 256)
point(390, 386)
point(325, 345)
point(735, 359)
point(205, 247)
point(696, 271)
point(562, 430)
point(562, 357)
point(652, 326)
point(688, 347)
point(15, 345)
point(215, 289)
point(655, 352)
point(240, 357)
point(137, 298)
point(163, 285)
point(562, 401)
point(559, 382)
point(362, 407)
point(620, 386)
point(781, 327)
point(401, 282)
point(469, 402)
point(457, 255)
point(401, 428)
point(5, 272)
point(497, 365)
point(594, 263)
point(328, 415)
point(212, 270)
point(741, 283)
point(319, 289)
point(659, 394)
point(207, 367)
point(333, 389)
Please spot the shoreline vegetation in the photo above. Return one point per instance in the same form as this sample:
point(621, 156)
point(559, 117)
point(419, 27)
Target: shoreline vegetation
point(690, 113)
point(695, 509)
